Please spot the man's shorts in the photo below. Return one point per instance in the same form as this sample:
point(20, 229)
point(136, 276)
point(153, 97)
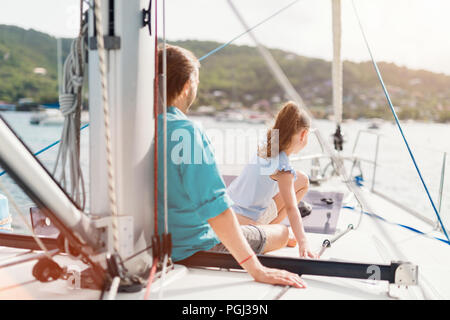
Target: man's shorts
point(255, 235)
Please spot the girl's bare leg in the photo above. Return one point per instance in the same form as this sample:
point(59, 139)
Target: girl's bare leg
point(301, 186)
point(278, 235)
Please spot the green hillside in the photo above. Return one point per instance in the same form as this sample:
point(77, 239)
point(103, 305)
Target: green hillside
point(242, 75)
point(21, 51)
point(237, 74)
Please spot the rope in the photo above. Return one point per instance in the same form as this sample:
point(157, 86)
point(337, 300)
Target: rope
point(70, 107)
point(248, 30)
point(386, 93)
point(109, 160)
point(150, 279)
point(48, 147)
point(373, 215)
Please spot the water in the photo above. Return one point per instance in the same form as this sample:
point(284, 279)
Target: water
point(235, 142)
point(36, 138)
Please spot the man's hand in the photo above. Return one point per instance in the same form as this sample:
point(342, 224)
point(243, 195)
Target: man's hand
point(227, 228)
point(276, 276)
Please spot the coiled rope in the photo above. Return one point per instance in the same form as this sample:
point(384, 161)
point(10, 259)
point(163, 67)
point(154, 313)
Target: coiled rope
point(70, 101)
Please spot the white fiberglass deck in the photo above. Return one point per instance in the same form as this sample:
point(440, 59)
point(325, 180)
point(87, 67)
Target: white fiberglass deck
point(373, 241)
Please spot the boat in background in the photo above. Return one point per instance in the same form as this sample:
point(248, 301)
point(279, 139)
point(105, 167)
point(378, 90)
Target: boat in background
point(230, 116)
point(7, 106)
point(27, 104)
point(53, 117)
point(375, 124)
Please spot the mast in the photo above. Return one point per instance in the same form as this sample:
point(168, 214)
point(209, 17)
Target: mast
point(337, 61)
point(130, 74)
point(337, 74)
point(59, 62)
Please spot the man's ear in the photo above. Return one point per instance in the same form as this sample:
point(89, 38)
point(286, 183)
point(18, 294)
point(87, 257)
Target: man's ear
point(187, 87)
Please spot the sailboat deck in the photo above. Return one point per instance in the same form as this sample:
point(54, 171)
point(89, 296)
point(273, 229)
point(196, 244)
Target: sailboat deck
point(373, 241)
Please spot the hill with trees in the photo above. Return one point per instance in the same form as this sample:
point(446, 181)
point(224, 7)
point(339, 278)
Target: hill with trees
point(28, 65)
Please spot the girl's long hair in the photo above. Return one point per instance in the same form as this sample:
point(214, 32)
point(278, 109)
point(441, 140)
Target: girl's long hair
point(289, 121)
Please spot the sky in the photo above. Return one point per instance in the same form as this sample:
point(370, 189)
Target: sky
point(412, 33)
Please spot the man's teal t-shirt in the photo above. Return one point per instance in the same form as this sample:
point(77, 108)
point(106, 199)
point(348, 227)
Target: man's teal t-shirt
point(195, 189)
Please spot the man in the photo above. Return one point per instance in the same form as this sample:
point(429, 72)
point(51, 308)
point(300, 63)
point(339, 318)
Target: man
point(200, 217)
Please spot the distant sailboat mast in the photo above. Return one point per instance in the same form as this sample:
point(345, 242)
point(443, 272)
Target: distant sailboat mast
point(337, 62)
point(59, 63)
point(337, 78)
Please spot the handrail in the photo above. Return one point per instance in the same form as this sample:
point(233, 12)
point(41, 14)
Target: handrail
point(375, 162)
point(441, 185)
point(397, 121)
point(388, 198)
point(324, 156)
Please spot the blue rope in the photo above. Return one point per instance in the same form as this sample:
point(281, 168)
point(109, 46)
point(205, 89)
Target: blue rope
point(48, 147)
point(373, 215)
point(247, 31)
point(399, 126)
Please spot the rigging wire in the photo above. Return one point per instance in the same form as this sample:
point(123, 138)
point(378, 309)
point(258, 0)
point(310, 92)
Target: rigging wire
point(164, 94)
point(137, 253)
point(284, 82)
point(155, 115)
point(48, 147)
point(202, 58)
point(373, 215)
point(164, 86)
point(391, 106)
point(248, 30)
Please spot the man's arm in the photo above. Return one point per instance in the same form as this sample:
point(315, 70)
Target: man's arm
point(227, 228)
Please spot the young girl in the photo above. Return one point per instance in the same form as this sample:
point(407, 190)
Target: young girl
point(269, 189)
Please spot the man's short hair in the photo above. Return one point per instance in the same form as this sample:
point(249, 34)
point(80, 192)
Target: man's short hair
point(182, 65)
